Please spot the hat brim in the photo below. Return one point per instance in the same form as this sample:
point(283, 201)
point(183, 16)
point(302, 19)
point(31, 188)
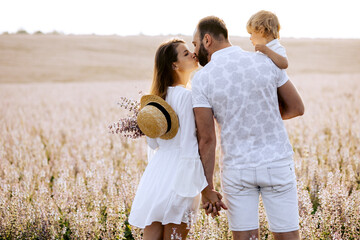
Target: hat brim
point(146, 99)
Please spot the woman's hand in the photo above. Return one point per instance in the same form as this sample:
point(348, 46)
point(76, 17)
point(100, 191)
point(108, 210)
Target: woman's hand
point(211, 202)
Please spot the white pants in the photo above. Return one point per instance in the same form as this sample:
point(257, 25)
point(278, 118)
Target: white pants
point(277, 186)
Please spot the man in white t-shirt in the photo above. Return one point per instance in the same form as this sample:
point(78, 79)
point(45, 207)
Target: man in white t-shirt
point(248, 96)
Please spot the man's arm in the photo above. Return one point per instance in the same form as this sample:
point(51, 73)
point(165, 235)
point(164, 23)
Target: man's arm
point(290, 102)
point(207, 145)
point(207, 141)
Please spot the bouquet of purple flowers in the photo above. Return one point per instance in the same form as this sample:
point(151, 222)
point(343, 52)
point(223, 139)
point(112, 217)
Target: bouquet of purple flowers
point(128, 127)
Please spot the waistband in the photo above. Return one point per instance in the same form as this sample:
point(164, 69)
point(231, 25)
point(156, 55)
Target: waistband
point(277, 163)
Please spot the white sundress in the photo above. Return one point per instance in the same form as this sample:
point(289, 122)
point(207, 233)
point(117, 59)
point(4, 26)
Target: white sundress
point(169, 190)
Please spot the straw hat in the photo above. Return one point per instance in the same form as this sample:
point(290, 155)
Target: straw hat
point(156, 118)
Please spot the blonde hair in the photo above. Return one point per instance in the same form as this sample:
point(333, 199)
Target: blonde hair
point(264, 21)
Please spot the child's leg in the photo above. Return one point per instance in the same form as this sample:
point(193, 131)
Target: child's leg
point(154, 232)
point(175, 231)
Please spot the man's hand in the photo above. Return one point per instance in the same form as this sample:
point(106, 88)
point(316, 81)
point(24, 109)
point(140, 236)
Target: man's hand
point(211, 202)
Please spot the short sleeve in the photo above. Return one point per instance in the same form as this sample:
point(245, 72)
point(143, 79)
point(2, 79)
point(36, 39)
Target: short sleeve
point(282, 77)
point(199, 91)
point(279, 49)
point(152, 147)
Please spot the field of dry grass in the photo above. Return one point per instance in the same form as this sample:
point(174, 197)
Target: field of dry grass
point(63, 176)
point(57, 58)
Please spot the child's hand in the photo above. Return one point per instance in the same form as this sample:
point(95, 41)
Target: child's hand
point(261, 48)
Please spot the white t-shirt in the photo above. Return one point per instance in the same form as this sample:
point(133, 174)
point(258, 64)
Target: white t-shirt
point(241, 88)
point(277, 47)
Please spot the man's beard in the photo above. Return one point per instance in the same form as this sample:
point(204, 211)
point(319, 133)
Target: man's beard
point(203, 55)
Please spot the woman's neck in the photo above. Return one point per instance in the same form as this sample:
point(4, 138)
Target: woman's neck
point(182, 79)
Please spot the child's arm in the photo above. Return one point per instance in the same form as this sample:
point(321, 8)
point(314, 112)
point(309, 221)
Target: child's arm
point(279, 60)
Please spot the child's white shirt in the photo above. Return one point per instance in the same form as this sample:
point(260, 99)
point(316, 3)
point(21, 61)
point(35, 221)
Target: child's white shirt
point(277, 47)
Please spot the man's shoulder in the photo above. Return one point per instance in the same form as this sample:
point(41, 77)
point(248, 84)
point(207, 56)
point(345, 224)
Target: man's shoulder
point(202, 72)
point(256, 60)
point(232, 52)
point(239, 53)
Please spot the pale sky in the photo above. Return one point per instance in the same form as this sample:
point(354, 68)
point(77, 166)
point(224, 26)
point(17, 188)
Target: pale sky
point(298, 18)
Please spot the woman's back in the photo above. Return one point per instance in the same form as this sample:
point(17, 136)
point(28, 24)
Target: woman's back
point(179, 99)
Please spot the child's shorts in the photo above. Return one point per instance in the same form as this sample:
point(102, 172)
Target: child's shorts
point(277, 186)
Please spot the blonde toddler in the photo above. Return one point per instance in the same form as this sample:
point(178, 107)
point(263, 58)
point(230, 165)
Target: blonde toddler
point(264, 28)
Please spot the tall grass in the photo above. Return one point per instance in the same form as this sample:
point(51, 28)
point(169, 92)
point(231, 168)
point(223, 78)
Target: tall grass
point(63, 176)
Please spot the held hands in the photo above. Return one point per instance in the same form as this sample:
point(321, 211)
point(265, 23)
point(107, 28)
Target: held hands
point(211, 202)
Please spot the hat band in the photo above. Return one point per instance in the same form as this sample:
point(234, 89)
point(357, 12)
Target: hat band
point(163, 110)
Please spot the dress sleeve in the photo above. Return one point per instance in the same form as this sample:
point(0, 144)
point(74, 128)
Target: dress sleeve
point(152, 147)
point(190, 179)
point(152, 143)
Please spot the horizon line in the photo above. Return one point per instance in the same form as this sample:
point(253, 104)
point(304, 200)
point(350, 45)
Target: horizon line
point(60, 33)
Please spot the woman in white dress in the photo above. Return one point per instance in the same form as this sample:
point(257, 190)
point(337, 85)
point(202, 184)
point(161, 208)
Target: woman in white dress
point(168, 195)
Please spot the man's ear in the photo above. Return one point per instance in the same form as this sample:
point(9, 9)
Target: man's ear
point(207, 40)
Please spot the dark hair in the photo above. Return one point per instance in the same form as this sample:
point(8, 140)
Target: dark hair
point(164, 75)
point(213, 26)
